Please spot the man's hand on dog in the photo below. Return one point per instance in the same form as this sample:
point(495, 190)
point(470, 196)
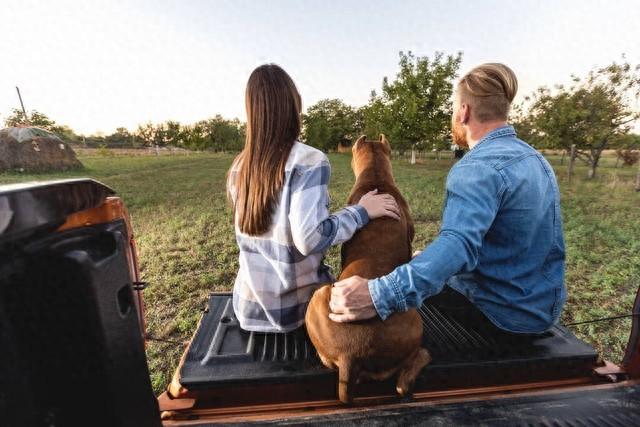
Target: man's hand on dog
point(351, 300)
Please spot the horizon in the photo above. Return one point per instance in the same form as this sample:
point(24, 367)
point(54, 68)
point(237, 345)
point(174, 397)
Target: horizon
point(101, 66)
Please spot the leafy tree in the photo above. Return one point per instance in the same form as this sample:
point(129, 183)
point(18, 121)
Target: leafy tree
point(193, 136)
point(416, 107)
point(35, 118)
point(121, 137)
point(521, 121)
point(151, 134)
point(330, 122)
point(66, 133)
point(376, 118)
point(41, 120)
point(173, 132)
point(629, 141)
point(592, 113)
point(222, 134)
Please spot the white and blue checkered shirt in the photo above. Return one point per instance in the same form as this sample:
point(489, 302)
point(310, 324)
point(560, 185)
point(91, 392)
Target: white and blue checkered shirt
point(280, 269)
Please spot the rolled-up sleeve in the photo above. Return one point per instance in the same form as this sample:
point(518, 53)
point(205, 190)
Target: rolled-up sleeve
point(474, 192)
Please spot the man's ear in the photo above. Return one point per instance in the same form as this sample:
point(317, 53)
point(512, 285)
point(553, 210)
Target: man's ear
point(465, 113)
point(385, 142)
point(360, 140)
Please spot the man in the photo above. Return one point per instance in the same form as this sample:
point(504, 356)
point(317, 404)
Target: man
point(500, 249)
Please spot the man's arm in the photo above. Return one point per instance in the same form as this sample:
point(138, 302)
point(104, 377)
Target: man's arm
point(474, 192)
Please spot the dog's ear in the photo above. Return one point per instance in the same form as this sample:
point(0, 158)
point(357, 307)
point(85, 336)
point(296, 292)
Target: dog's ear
point(359, 141)
point(385, 142)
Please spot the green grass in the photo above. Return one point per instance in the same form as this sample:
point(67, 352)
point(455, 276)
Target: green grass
point(187, 248)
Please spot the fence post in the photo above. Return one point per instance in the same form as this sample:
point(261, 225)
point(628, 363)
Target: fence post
point(638, 177)
point(572, 160)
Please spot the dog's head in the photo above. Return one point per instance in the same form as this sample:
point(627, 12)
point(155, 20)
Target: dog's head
point(371, 154)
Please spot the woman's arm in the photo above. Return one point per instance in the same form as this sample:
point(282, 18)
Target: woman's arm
point(313, 228)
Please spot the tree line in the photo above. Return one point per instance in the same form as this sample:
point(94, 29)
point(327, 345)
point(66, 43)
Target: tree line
point(412, 110)
point(216, 133)
point(593, 113)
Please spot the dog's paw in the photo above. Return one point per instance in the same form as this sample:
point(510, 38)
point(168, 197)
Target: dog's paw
point(405, 396)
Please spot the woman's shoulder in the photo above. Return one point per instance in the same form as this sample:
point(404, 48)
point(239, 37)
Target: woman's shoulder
point(303, 155)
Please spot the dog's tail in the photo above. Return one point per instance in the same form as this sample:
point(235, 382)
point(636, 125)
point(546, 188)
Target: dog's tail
point(348, 372)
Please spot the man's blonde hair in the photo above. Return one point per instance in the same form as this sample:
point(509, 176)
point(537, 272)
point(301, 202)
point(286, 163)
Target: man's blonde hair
point(489, 90)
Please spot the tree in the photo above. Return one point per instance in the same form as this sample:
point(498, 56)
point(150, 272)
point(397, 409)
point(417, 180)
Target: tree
point(375, 117)
point(416, 107)
point(193, 136)
point(35, 118)
point(151, 134)
point(120, 138)
point(521, 121)
point(629, 141)
point(66, 133)
point(592, 113)
point(330, 122)
point(222, 134)
point(173, 133)
point(41, 120)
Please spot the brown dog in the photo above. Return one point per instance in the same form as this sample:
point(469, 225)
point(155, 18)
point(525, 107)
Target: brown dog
point(371, 349)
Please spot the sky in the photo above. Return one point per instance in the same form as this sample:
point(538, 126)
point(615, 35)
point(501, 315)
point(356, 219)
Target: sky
point(97, 65)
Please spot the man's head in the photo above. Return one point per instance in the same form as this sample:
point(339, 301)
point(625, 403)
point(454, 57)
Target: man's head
point(482, 101)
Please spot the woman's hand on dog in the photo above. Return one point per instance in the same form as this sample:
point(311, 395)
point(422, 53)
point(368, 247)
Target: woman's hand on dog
point(351, 300)
point(379, 205)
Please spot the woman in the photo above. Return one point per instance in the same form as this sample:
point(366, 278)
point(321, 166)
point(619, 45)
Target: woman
point(278, 189)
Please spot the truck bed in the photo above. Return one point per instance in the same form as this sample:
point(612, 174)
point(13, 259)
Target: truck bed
point(224, 364)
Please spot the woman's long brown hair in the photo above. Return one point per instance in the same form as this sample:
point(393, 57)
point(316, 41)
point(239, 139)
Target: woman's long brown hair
point(273, 126)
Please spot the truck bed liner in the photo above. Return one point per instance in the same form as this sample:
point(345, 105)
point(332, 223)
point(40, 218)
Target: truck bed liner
point(221, 354)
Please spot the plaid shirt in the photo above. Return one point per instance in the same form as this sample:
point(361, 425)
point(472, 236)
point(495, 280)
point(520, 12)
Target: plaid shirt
point(280, 269)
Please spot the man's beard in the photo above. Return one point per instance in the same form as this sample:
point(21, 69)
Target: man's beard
point(458, 134)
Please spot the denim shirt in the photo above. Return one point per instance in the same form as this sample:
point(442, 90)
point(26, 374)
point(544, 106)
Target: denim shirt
point(500, 243)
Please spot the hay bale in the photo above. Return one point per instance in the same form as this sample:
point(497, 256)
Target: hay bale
point(32, 149)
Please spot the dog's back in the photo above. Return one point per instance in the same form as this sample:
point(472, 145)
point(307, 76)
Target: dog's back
point(371, 349)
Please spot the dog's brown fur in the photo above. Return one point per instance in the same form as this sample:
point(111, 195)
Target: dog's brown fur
point(371, 349)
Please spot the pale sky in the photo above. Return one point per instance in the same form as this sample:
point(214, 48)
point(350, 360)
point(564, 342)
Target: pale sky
point(96, 65)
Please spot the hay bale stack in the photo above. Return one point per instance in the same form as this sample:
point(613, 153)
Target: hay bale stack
point(31, 149)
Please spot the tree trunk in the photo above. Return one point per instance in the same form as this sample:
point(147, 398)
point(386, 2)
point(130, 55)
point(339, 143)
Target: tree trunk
point(572, 160)
point(594, 164)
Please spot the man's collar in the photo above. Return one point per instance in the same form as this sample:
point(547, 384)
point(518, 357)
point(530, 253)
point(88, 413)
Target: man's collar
point(506, 130)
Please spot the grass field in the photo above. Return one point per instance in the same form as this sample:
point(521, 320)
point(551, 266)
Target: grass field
point(187, 248)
